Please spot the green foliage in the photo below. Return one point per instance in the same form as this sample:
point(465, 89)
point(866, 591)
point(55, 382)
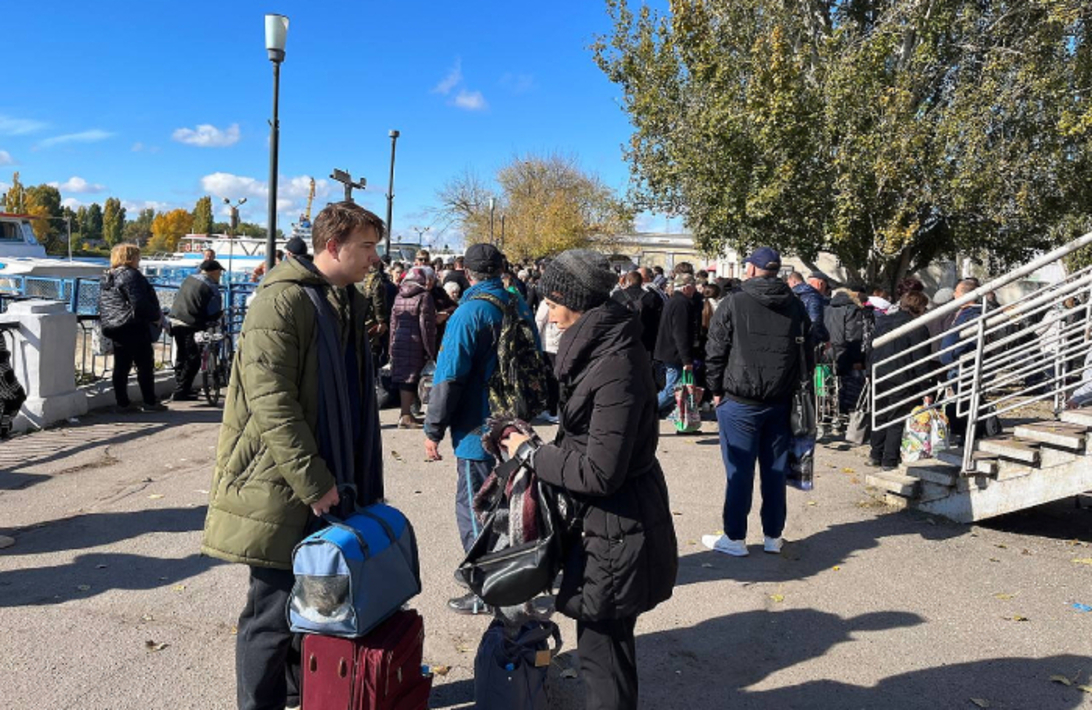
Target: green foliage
point(139, 230)
point(44, 202)
point(91, 224)
point(202, 216)
point(887, 132)
point(14, 200)
point(113, 221)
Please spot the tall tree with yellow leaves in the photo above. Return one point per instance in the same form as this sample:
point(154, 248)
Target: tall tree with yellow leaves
point(168, 228)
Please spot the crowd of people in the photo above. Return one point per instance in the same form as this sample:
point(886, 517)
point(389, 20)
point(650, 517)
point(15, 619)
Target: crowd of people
point(325, 329)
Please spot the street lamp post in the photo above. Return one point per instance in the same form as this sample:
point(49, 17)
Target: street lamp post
point(233, 223)
point(390, 190)
point(276, 33)
point(492, 208)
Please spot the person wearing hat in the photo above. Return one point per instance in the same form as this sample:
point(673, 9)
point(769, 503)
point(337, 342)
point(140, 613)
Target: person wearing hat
point(815, 303)
point(197, 305)
point(459, 400)
point(676, 338)
point(296, 248)
point(759, 349)
point(627, 557)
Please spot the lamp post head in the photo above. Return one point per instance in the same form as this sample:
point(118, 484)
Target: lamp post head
point(394, 134)
point(276, 33)
point(242, 201)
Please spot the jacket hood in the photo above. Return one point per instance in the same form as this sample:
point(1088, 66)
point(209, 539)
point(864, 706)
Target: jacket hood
point(770, 292)
point(294, 271)
point(409, 289)
point(842, 299)
point(603, 330)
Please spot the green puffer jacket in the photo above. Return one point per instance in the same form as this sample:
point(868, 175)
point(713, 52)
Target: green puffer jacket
point(268, 467)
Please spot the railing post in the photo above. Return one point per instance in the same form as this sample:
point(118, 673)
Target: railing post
point(976, 391)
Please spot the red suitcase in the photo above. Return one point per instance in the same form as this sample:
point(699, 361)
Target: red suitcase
point(380, 671)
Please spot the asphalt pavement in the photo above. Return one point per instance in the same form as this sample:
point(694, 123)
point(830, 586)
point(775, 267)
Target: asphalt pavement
point(105, 602)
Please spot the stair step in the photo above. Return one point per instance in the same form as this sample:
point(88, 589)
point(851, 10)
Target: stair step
point(1067, 436)
point(1079, 417)
point(933, 471)
point(892, 482)
point(1010, 448)
point(984, 463)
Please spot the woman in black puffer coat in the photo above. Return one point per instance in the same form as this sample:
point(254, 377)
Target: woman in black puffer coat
point(605, 456)
point(130, 315)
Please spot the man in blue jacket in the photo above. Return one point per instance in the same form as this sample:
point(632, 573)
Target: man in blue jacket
point(460, 390)
point(815, 303)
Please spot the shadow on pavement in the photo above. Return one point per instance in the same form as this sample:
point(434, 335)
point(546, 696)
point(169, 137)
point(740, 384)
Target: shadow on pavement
point(811, 555)
point(81, 532)
point(93, 574)
point(1061, 520)
point(712, 664)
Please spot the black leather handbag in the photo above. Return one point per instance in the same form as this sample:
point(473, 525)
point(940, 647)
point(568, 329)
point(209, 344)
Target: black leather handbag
point(802, 420)
point(511, 575)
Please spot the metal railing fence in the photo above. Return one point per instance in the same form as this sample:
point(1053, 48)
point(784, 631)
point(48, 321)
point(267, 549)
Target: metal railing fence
point(998, 361)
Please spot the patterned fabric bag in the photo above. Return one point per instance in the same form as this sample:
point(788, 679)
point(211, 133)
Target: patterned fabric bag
point(925, 434)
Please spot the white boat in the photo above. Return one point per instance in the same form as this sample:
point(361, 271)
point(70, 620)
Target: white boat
point(22, 255)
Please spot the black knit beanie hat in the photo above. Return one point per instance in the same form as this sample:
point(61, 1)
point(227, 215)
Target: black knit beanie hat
point(580, 279)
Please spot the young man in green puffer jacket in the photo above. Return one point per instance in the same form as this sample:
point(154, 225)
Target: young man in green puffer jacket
point(274, 471)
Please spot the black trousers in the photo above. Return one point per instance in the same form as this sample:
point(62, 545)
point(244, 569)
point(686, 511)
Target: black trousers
point(887, 443)
point(187, 359)
point(608, 662)
point(127, 354)
point(267, 654)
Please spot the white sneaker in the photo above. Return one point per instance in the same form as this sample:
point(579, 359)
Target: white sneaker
point(773, 545)
point(721, 543)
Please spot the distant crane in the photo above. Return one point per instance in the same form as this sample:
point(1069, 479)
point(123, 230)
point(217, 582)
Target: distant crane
point(310, 199)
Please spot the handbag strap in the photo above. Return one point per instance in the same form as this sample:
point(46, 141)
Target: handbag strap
point(801, 341)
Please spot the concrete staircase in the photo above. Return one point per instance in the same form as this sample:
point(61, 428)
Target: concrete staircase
point(1033, 464)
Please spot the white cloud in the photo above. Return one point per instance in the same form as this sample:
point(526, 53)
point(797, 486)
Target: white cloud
point(454, 78)
point(208, 136)
point(78, 185)
point(291, 195)
point(137, 147)
point(72, 203)
point(91, 136)
point(134, 206)
point(19, 126)
point(470, 101)
point(5, 158)
point(233, 186)
point(4, 187)
point(518, 83)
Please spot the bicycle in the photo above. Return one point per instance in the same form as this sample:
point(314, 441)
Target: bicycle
point(214, 365)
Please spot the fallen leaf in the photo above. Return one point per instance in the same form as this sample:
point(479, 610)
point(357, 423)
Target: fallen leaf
point(1061, 679)
point(1026, 551)
point(994, 559)
point(83, 587)
point(153, 646)
point(676, 512)
point(568, 673)
point(706, 565)
point(1003, 596)
point(811, 502)
point(416, 493)
point(777, 598)
point(147, 617)
point(1083, 561)
point(691, 542)
point(1002, 547)
point(462, 647)
point(1085, 688)
point(155, 496)
point(981, 702)
point(441, 670)
point(179, 587)
point(396, 456)
point(1015, 617)
point(234, 629)
point(1074, 543)
point(837, 568)
point(848, 470)
point(202, 491)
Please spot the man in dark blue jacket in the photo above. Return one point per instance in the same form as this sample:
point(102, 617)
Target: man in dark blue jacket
point(460, 389)
point(815, 303)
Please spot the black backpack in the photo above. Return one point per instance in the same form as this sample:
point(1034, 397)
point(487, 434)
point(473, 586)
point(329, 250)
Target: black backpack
point(519, 386)
point(12, 394)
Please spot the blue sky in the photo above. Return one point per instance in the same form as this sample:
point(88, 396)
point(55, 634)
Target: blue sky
point(159, 103)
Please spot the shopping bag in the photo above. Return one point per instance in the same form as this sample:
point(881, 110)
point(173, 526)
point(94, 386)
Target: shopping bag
point(860, 419)
point(686, 415)
point(925, 434)
point(802, 463)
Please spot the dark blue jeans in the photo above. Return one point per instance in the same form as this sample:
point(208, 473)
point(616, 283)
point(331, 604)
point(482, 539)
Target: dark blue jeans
point(472, 475)
point(750, 433)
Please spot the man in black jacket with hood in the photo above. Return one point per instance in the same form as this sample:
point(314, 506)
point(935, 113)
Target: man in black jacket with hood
point(757, 341)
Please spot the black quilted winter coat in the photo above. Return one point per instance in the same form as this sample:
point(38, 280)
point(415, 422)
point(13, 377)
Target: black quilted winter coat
point(605, 455)
point(128, 307)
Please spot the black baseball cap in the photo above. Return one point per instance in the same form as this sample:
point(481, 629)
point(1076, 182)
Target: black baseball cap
point(484, 259)
point(211, 265)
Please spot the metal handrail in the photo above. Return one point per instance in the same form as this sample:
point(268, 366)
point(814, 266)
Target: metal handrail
point(1037, 336)
point(981, 291)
